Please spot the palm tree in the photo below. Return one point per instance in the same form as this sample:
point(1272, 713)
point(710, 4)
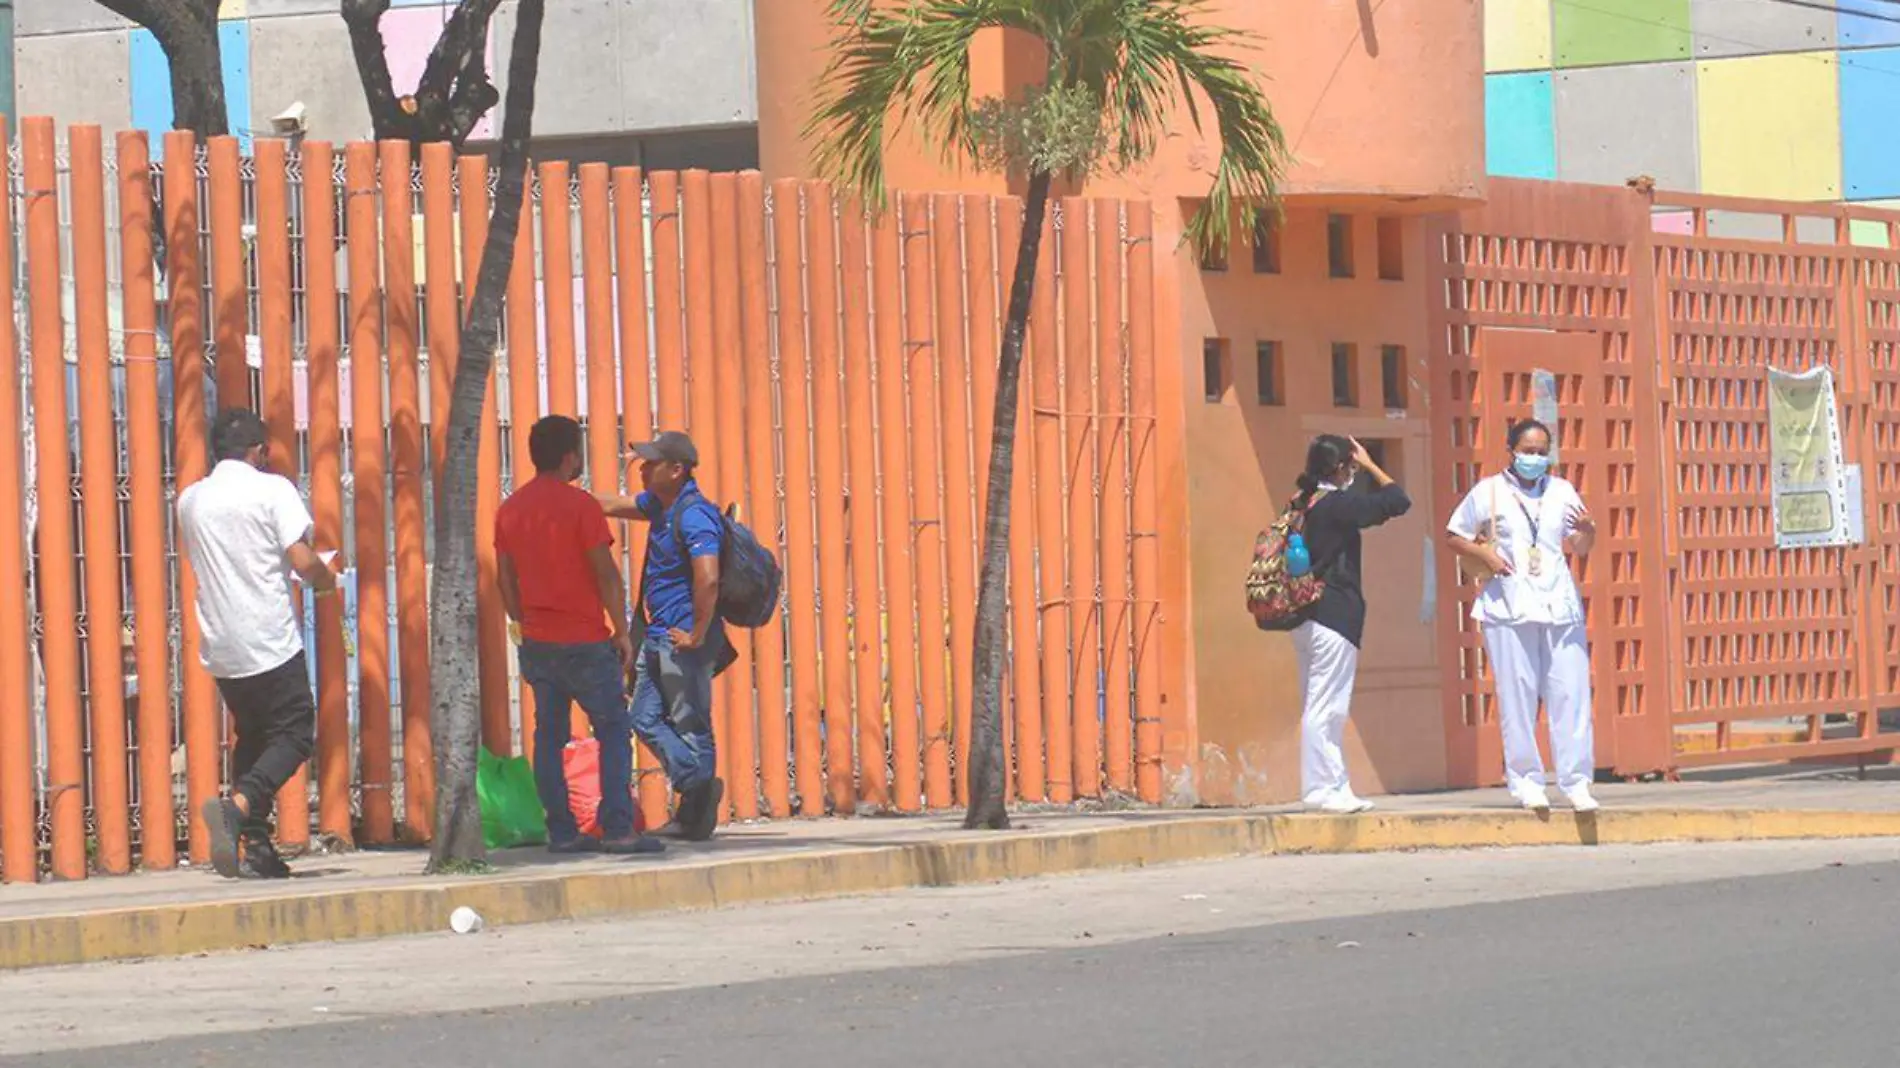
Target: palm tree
point(1118, 70)
point(455, 721)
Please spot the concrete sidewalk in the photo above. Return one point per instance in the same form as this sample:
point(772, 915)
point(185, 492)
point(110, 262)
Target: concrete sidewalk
point(381, 894)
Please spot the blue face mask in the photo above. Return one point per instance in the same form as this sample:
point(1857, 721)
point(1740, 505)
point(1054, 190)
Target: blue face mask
point(1530, 466)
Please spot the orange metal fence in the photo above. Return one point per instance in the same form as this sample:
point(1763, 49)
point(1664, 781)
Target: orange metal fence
point(1709, 645)
point(838, 370)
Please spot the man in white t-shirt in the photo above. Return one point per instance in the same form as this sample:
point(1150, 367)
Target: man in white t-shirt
point(246, 532)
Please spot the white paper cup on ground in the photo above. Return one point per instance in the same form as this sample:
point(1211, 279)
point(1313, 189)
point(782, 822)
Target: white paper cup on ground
point(465, 920)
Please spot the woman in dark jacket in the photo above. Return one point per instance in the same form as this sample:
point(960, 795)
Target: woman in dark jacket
point(1327, 642)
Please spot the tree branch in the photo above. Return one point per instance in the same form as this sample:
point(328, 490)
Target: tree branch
point(387, 115)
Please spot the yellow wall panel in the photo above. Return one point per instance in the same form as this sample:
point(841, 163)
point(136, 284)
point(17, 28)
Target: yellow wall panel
point(231, 9)
point(1516, 35)
point(1770, 126)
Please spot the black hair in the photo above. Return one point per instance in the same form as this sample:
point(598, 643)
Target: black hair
point(1523, 427)
point(1324, 457)
point(552, 440)
point(235, 432)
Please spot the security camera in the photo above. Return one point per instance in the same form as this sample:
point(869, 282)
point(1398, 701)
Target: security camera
point(290, 120)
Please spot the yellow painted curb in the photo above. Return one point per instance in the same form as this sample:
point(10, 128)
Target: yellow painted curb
point(384, 910)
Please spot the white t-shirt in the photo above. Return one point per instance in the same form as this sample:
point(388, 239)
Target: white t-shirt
point(1516, 513)
point(236, 525)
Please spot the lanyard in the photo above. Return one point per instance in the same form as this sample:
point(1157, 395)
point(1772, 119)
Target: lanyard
point(1534, 521)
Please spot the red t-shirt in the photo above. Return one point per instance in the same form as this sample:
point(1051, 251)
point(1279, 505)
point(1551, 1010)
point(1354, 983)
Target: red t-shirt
point(546, 528)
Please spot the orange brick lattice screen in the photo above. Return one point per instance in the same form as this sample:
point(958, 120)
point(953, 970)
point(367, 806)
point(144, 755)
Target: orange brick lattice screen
point(837, 369)
point(1709, 645)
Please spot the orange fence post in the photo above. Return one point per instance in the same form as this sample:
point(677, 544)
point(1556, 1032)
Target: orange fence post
point(669, 310)
point(1045, 367)
point(694, 229)
point(19, 833)
point(960, 541)
point(636, 391)
point(366, 438)
point(145, 521)
point(761, 466)
point(1145, 550)
point(279, 398)
point(828, 420)
point(99, 485)
point(868, 649)
point(802, 579)
point(230, 306)
point(900, 618)
point(184, 276)
point(323, 338)
point(597, 280)
point(1112, 465)
point(524, 394)
point(557, 295)
point(65, 799)
point(728, 376)
point(921, 355)
point(408, 470)
point(1079, 464)
point(497, 732)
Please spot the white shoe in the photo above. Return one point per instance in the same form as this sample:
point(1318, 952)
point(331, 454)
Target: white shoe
point(1580, 798)
point(1536, 800)
point(1345, 805)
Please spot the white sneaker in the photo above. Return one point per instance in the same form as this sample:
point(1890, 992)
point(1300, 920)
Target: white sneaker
point(1345, 805)
point(1534, 799)
point(1580, 798)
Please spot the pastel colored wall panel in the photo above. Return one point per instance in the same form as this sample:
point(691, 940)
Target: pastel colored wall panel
point(1867, 233)
point(303, 57)
point(586, 34)
point(152, 85)
point(1870, 138)
point(1770, 126)
point(705, 44)
point(1679, 223)
point(1867, 22)
point(410, 34)
point(1620, 31)
point(78, 77)
point(1598, 142)
point(263, 9)
point(32, 18)
point(1519, 139)
point(1516, 35)
point(1751, 27)
point(232, 9)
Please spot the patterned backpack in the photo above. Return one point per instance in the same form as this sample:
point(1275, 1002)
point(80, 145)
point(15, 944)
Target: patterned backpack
point(1276, 598)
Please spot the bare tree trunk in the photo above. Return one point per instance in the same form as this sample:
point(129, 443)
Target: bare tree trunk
point(454, 92)
point(456, 718)
point(188, 32)
point(988, 806)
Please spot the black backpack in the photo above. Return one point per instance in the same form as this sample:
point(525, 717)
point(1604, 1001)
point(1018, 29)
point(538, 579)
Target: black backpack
point(749, 575)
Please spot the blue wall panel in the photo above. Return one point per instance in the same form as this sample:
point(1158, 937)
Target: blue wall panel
point(152, 84)
point(1870, 111)
point(1868, 22)
point(1519, 133)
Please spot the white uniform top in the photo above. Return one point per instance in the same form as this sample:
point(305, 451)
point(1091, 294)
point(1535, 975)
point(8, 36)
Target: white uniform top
point(236, 525)
point(1514, 512)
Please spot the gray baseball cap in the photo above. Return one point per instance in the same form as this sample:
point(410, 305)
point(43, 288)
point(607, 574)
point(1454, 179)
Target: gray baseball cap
point(670, 446)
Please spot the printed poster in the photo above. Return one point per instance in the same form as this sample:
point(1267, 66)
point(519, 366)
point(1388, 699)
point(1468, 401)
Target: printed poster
point(1807, 479)
point(1544, 407)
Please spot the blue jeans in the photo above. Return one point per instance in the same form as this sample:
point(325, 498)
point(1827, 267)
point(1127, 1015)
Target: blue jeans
point(560, 676)
point(672, 707)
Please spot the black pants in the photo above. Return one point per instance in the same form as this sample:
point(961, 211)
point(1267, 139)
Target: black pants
point(276, 729)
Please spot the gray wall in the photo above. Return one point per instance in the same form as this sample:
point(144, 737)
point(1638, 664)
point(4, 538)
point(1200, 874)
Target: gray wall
point(609, 68)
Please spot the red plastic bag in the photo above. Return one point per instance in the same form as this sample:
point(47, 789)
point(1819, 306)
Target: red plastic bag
point(580, 762)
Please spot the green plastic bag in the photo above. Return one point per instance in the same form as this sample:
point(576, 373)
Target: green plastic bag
point(511, 808)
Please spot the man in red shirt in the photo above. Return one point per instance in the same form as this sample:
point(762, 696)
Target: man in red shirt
point(560, 585)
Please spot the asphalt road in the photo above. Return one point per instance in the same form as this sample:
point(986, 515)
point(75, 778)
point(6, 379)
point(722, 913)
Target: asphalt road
point(1794, 968)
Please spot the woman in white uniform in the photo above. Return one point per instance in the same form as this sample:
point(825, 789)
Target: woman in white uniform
point(1330, 631)
point(1521, 526)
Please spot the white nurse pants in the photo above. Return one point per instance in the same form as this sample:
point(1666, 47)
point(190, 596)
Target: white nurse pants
point(1328, 665)
point(1548, 662)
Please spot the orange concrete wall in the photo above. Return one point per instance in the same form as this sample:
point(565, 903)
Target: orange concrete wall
point(1378, 99)
point(1242, 457)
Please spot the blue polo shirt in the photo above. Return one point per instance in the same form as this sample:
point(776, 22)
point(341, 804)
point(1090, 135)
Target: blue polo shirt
point(669, 582)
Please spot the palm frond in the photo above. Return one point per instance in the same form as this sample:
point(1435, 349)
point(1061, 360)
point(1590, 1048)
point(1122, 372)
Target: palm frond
point(892, 66)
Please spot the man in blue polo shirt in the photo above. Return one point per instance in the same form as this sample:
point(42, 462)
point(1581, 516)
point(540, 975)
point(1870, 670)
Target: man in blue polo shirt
point(684, 644)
